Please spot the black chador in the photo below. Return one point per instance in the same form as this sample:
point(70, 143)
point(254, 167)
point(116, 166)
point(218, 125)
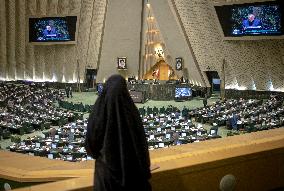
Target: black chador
point(116, 139)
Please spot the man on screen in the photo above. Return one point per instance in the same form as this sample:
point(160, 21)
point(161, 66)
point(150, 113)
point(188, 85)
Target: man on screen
point(251, 22)
point(49, 32)
point(178, 64)
point(121, 64)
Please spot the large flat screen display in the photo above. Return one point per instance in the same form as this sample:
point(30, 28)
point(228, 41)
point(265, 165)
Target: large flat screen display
point(253, 19)
point(181, 92)
point(100, 88)
point(52, 29)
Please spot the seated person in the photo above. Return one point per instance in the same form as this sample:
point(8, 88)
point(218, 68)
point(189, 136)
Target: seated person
point(214, 130)
point(251, 22)
point(233, 121)
point(49, 32)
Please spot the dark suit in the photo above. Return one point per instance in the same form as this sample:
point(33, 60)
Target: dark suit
point(234, 121)
point(253, 24)
point(205, 101)
point(50, 33)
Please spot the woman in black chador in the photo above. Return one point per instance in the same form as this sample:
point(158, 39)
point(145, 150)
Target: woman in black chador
point(116, 139)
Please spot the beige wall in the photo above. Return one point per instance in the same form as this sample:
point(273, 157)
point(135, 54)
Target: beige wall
point(21, 60)
point(245, 60)
point(121, 38)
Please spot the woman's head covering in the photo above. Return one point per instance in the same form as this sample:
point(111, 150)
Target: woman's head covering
point(115, 134)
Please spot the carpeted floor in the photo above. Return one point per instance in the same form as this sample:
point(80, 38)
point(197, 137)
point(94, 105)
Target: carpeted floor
point(90, 98)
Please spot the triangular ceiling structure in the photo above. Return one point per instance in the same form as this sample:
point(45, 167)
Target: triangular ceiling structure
point(155, 49)
point(129, 33)
point(163, 35)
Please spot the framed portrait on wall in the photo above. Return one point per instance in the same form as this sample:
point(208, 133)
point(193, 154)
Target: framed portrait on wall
point(179, 63)
point(121, 63)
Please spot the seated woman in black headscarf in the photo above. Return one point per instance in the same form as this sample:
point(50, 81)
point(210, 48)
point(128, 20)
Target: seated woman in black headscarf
point(116, 139)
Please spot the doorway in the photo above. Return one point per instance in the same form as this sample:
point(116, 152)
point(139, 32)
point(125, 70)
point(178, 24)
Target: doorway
point(215, 81)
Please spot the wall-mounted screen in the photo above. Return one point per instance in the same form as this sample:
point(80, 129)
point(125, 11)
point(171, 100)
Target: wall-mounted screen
point(183, 93)
point(52, 29)
point(216, 81)
point(100, 88)
point(251, 19)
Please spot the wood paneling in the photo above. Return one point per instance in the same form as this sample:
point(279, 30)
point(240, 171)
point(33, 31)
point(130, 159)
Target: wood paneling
point(195, 166)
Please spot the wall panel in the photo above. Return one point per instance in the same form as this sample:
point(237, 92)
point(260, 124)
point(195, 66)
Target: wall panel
point(84, 34)
point(3, 37)
point(49, 62)
point(75, 7)
point(40, 50)
point(20, 39)
point(96, 33)
point(59, 59)
point(11, 32)
point(31, 7)
point(121, 38)
point(49, 51)
point(71, 51)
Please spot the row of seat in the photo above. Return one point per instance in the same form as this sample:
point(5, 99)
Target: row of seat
point(155, 111)
point(26, 107)
point(67, 142)
point(74, 106)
